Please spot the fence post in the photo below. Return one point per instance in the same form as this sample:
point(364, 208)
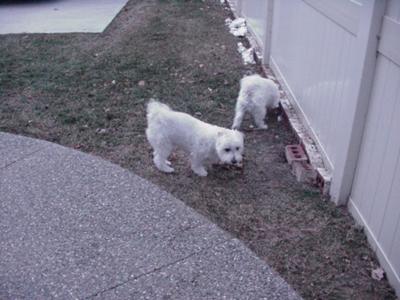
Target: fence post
point(362, 76)
point(266, 53)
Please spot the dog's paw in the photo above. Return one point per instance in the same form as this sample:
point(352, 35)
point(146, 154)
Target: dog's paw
point(201, 172)
point(166, 169)
point(263, 127)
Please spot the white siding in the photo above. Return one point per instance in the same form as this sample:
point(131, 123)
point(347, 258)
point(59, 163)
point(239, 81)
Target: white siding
point(312, 54)
point(375, 198)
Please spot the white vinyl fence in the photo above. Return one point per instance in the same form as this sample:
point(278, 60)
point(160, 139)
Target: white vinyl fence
point(375, 196)
point(339, 63)
point(313, 54)
point(254, 12)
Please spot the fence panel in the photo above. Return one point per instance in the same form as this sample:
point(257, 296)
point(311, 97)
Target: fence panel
point(255, 12)
point(311, 52)
point(376, 190)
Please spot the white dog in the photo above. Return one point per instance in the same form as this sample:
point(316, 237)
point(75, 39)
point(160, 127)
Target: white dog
point(256, 95)
point(205, 143)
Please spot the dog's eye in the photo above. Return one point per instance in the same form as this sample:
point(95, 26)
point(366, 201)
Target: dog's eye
point(237, 148)
point(227, 149)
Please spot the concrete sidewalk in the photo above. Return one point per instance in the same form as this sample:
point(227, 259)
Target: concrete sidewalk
point(75, 226)
point(57, 16)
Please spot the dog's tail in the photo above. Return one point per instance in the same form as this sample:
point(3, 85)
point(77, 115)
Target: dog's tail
point(154, 108)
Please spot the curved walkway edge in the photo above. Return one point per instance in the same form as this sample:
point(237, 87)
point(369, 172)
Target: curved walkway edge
point(75, 226)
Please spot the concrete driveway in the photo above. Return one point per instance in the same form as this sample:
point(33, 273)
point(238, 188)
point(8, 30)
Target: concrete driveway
point(57, 16)
point(74, 226)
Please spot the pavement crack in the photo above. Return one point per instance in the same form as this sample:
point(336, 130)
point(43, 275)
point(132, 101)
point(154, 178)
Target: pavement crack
point(113, 287)
point(21, 158)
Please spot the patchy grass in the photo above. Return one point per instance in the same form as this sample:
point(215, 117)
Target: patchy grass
point(83, 91)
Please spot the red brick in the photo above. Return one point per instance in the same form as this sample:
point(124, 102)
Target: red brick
point(295, 153)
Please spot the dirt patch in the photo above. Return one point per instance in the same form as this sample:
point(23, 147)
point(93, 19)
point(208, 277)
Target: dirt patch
point(88, 91)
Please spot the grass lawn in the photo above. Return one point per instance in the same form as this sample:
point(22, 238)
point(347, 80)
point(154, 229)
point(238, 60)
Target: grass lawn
point(88, 92)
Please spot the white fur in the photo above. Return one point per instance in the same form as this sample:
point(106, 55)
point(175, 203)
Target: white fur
point(206, 144)
point(256, 95)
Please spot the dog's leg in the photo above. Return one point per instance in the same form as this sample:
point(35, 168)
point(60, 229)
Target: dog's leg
point(166, 161)
point(198, 167)
point(239, 113)
point(161, 158)
point(200, 170)
point(162, 165)
point(259, 115)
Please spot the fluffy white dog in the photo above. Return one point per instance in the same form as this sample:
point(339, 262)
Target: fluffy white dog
point(205, 143)
point(256, 95)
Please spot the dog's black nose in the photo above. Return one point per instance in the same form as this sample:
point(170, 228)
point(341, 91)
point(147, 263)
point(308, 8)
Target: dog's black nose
point(234, 161)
